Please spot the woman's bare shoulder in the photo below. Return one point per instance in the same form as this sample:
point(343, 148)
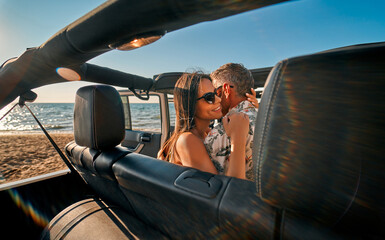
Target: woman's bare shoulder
point(192, 153)
point(188, 139)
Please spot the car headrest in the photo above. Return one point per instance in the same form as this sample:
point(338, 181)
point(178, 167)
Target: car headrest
point(98, 117)
point(320, 131)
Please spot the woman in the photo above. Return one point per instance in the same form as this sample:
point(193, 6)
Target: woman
point(196, 105)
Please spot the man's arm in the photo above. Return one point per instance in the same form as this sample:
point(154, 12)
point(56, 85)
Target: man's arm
point(237, 128)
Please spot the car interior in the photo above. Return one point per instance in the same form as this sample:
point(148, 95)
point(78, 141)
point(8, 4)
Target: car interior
point(311, 181)
point(318, 148)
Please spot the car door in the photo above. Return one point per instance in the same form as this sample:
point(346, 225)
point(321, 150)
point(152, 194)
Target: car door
point(144, 121)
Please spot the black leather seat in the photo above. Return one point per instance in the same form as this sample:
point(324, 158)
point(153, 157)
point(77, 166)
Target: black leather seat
point(98, 129)
point(319, 145)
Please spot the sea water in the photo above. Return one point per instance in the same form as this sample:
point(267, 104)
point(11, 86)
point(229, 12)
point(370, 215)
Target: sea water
point(58, 117)
point(146, 116)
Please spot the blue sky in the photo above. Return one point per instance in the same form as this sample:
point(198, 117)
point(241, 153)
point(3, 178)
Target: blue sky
point(257, 39)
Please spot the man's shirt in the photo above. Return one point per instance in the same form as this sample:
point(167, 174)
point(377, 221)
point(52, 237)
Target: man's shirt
point(218, 143)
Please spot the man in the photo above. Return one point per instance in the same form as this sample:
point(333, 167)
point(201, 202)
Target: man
point(232, 81)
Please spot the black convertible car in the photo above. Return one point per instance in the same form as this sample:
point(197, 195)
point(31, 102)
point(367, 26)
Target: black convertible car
point(318, 147)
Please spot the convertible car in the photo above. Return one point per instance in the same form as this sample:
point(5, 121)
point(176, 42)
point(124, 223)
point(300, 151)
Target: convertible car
point(318, 145)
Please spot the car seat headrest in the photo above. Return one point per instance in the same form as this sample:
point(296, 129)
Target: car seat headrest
point(98, 117)
point(320, 130)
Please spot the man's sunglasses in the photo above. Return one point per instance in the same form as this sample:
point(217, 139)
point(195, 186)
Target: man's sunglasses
point(218, 90)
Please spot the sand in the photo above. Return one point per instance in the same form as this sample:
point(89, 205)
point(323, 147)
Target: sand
point(29, 155)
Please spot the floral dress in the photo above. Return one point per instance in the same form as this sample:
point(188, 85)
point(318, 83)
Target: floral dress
point(218, 143)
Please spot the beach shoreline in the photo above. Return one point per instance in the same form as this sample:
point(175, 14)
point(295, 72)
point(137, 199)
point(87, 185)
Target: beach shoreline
point(30, 154)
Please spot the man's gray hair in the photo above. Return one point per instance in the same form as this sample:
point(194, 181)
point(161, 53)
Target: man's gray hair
point(234, 74)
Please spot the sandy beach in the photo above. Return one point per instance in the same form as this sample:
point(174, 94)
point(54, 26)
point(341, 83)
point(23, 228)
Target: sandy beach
point(29, 155)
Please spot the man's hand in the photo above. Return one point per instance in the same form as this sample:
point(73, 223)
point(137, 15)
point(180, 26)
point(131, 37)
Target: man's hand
point(237, 127)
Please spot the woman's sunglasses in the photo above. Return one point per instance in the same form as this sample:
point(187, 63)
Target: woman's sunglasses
point(209, 97)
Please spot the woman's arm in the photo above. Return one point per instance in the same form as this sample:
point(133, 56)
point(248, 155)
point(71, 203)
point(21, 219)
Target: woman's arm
point(192, 153)
point(237, 128)
point(253, 98)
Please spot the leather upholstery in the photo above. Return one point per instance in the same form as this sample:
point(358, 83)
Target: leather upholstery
point(98, 129)
point(98, 117)
point(319, 141)
point(106, 159)
point(188, 206)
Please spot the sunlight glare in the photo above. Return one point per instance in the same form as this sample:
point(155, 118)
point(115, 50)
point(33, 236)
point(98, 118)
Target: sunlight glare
point(68, 74)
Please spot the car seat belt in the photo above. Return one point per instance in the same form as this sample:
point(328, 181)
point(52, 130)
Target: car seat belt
point(66, 161)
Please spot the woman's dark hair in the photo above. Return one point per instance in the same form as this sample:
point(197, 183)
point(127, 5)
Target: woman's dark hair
point(185, 100)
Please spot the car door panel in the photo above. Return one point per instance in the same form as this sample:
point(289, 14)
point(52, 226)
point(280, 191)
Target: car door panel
point(144, 123)
point(146, 143)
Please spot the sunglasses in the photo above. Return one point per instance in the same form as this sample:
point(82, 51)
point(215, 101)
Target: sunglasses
point(218, 90)
point(209, 97)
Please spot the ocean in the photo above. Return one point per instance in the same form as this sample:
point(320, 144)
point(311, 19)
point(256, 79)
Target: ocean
point(58, 118)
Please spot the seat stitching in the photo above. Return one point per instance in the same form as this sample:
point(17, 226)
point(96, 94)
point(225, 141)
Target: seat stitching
point(354, 196)
point(261, 139)
point(280, 70)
